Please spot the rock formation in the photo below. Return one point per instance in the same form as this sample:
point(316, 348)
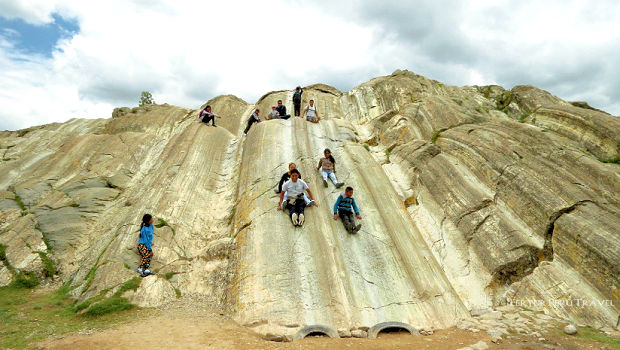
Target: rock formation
point(472, 197)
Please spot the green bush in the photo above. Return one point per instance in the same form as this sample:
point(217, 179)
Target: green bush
point(49, 269)
point(25, 280)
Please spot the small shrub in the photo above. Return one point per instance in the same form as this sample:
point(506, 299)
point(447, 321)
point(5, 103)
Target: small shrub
point(367, 147)
point(107, 306)
point(20, 203)
point(435, 136)
point(387, 154)
point(2, 252)
point(25, 280)
point(178, 292)
point(132, 284)
point(169, 275)
point(49, 269)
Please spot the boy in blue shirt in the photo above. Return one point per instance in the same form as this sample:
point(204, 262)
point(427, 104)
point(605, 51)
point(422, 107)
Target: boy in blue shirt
point(344, 207)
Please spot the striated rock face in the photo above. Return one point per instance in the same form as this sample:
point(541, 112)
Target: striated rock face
point(472, 198)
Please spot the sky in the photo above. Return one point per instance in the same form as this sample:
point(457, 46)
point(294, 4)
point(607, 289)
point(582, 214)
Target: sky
point(62, 59)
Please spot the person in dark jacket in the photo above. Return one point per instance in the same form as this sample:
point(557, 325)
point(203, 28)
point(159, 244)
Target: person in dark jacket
point(281, 109)
point(254, 118)
point(344, 208)
point(297, 100)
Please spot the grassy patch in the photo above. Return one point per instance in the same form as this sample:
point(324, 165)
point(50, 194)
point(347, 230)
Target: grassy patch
point(110, 305)
point(53, 314)
point(169, 275)
point(387, 155)
point(436, 135)
point(20, 203)
point(132, 284)
point(49, 269)
point(367, 147)
point(592, 334)
point(127, 266)
point(178, 292)
point(523, 117)
point(163, 223)
point(2, 253)
point(615, 160)
point(25, 280)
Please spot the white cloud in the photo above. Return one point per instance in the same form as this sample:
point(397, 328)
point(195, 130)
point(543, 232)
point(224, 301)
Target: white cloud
point(186, 52)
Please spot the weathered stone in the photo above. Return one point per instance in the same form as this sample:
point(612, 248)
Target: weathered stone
point(570, 329)
point(153, 291)
point(481, 345)
point(358, 333)
point(344, 333)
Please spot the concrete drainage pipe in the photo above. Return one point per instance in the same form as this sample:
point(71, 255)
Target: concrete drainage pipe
point(316, 330)
point(374, 331)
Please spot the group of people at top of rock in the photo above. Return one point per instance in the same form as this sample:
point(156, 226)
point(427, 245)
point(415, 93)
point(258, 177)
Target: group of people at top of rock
point(291, 188)
point(277, 112)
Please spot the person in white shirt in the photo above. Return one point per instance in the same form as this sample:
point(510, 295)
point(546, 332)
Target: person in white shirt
point(312, 115)
point(295, 203)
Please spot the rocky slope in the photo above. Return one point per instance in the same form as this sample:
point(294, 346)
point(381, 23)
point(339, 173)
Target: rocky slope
point(472, 197)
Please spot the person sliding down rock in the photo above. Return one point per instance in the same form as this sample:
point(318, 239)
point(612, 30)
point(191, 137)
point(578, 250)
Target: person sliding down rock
point(281, 109)
point(145, 245)
point(254, 118)
point(285, 177)
point(344, 208)
point(297, 100)
point(206, 116)
point(329, 168)
point(295, 203)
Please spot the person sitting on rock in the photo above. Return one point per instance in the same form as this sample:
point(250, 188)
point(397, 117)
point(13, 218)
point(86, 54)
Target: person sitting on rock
point(344, 208)
point(328, 165)
point(297, 100)
point(254, 118)
point(281, 109)
point(312, 113)
point(295, 203)
point(274, 114)
point(206, 116)
point(145, 245)
point(285, 177)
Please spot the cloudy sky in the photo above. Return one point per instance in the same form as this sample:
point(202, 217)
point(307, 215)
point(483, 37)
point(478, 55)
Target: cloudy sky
point(61, 59)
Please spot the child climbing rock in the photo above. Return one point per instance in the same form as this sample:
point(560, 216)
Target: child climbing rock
point(145, 245)
point(206, 116)
point(328, 165)
point(254, 118)
point(344, 207)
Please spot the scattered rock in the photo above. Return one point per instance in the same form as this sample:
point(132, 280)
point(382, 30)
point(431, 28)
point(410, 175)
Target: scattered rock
point(358, 333)
point(496, 339)
point(481, 345)
point(274, 337)
point(570, 329)
point(493, 315)
point(344, 333)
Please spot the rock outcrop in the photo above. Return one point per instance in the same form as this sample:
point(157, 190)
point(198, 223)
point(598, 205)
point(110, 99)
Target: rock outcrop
point(472, 197)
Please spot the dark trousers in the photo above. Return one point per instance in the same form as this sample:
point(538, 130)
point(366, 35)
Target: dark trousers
point(298, 207)
point(250, 122)
point(285, 116)
point(348, 219)
point(297, 107)
point(208, 118)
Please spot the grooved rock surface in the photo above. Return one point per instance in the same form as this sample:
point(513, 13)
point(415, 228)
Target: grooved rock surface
point(472, 197)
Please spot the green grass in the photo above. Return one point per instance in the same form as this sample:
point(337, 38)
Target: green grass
point(163, 223)
point(387, 155)
point(132, 284)
point(20, 203)
point(3, 253)
point(592, 334)
point(49, 269)
point(615, 160)
point(53, 314)
point(110, 305)
point(178, 292)
point(169, 275)
point(25, 280)
point(436, 135)
point(367, 147)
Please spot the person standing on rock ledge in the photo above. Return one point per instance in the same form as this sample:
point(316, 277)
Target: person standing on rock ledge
point(145, 245)
point(254, 118)
point(297, 100)
point(295, 204)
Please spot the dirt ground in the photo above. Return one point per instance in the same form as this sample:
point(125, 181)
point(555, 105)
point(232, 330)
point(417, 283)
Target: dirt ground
point(169, 330)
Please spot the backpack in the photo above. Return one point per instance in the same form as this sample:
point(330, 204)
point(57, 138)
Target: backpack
point(297, 97)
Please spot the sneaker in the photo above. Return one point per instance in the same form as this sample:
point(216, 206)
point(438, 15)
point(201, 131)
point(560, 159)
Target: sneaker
point(276, 191)
point(147, 272)
point(325, 183)
point(301, 219)
point(356, 228)
point(215, 125)
point(294, 219)
point(338, 185)
point(312, 203)
point(139, 270)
